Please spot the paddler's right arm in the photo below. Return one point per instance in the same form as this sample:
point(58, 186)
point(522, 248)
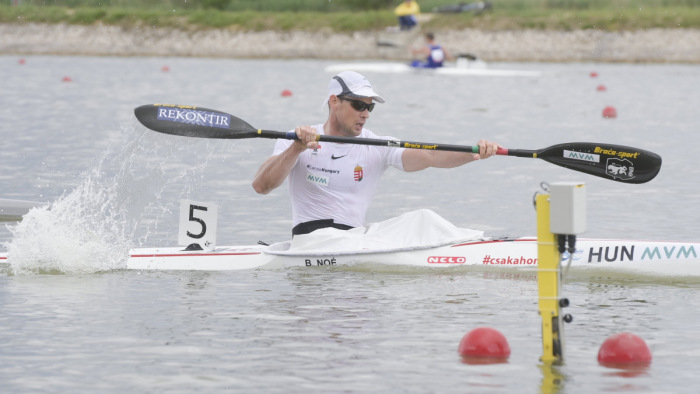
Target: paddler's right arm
point(275, 169)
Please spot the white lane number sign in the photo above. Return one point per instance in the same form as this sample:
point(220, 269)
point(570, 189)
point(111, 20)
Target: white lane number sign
point(198, 224)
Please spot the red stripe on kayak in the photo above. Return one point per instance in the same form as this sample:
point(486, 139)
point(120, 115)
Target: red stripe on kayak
point(193, 254)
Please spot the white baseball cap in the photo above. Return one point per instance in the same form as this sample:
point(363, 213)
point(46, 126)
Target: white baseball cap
point(353, 85)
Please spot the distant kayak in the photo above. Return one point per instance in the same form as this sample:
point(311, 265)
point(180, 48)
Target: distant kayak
point(463, 66)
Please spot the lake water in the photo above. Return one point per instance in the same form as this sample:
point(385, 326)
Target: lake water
point(73, 320)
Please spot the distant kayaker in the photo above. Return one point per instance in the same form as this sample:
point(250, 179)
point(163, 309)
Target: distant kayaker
point(434, 54)
point(406, 12)
point(332, 184)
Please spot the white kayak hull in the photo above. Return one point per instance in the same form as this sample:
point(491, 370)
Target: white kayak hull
point(648, 258)
point(401, 68)
point(640, 257)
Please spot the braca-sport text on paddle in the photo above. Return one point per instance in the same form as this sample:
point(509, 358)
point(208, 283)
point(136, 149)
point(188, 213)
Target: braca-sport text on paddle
point(615, 162)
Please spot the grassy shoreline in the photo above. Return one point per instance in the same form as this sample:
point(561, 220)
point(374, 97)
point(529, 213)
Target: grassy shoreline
point(196, 19)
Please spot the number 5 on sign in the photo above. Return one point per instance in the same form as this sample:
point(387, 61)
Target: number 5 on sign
point(198, 224)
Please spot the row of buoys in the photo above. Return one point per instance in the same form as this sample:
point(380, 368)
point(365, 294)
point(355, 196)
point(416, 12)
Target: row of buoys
point(609, 112)
point(164, 68)
point(485, 345)
point(67, 78)
point(624, 348)
point(284, 93)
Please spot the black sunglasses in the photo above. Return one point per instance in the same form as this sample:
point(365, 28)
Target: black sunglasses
point(359, 105)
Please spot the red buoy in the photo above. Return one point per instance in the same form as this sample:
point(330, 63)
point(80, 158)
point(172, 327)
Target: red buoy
point(22, 61)
point(610, 112)
point(624, 349)
point(67, 79)
point(594, 74)
point(165, 69)
point(601, 88)
point(484, 344)
point(286, 93)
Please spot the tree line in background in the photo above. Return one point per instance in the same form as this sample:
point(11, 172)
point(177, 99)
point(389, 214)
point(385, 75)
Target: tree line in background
point(355, 5)
point(356, 15)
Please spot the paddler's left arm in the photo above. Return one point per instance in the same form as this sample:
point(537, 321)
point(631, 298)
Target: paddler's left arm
point(420, 159)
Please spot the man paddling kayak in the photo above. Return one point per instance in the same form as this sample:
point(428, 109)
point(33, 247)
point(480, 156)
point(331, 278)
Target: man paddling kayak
point(435, 55)
point(332, 184)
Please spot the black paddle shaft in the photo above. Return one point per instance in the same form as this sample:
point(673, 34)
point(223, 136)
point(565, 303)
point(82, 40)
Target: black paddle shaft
point(615, 162)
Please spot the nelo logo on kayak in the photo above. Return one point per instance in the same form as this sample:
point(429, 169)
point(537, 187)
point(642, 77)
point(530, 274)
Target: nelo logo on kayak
point(447, 260)
point(193, 116)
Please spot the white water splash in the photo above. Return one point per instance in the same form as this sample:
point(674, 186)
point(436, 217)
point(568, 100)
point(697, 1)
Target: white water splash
point(91, 228)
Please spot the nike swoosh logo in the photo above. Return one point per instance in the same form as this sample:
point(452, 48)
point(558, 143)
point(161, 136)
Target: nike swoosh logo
point(334, 157)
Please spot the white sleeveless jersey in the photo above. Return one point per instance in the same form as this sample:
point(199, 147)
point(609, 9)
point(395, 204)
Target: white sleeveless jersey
point(337, 181)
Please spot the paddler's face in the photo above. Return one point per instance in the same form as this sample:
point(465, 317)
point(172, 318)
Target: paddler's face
point(350, 120)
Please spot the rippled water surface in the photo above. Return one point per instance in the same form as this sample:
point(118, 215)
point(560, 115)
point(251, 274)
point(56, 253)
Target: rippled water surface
point(76, 321)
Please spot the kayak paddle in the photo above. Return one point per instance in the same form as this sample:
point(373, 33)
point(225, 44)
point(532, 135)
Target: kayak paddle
point(615, 162)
